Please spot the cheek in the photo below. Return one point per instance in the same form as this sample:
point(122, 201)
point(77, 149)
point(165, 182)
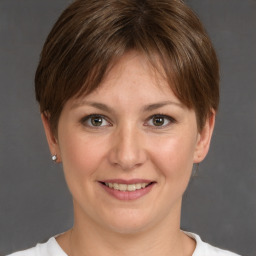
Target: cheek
point(173, 161)
point(81, 155)
point(174, 157)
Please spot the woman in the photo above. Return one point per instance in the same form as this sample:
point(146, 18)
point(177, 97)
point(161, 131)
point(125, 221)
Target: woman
point(128, 92)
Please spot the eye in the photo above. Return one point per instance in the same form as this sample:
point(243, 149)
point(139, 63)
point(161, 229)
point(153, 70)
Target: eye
point(160, 121)
point(95, 121)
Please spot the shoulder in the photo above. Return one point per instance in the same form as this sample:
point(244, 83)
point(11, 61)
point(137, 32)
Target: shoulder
point(50, 248)
point(28, 252)
point(204, 249)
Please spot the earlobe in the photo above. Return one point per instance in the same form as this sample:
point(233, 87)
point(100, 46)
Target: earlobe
point(204, 139)
point(51, 139)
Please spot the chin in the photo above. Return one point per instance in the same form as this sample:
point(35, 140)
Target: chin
point(130, 222)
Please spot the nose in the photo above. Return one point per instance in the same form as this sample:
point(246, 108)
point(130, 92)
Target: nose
point(128, 150)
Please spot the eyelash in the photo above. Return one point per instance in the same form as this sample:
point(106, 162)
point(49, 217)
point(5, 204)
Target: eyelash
point(86, 119)
point(170, 119)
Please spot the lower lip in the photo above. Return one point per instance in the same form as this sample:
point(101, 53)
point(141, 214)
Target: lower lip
point(128, 195)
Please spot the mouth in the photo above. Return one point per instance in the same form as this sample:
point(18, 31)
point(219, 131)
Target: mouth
point(127, 187)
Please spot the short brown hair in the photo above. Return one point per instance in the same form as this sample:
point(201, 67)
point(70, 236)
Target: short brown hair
point(91, 34)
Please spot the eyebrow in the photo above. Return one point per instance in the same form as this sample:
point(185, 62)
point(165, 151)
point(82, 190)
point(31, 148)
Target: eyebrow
point(155, 106)
point(104, 107)
point(100, 106)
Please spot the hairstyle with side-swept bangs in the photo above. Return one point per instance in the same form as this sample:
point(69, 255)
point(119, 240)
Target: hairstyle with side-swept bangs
point(90, 35)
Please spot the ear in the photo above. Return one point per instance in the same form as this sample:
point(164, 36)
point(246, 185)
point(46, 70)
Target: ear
point(51, 138)
point(204, 139)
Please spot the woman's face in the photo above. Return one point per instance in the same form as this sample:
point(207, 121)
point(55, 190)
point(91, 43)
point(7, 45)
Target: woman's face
point(128, 148)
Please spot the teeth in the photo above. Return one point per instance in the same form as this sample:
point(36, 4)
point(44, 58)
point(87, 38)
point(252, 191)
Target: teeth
point(122, 187)
point(131, 187)
point(138, 186)
point(126, 187)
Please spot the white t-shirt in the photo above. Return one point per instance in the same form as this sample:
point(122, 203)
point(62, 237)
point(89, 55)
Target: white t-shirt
point(52, 248)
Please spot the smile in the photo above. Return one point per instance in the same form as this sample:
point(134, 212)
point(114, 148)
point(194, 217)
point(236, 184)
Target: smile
point(126, 187)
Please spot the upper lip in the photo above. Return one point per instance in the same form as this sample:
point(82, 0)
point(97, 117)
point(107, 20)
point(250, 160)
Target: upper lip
point(122, 181)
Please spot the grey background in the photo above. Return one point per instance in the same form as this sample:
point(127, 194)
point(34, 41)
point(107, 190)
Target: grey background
point(220, 203)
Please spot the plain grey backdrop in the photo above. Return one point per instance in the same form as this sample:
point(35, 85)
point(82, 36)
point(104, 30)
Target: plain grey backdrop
point(220, 203)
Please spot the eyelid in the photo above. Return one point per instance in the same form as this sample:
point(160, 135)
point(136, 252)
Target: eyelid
point(169, 118)
point(87, 117)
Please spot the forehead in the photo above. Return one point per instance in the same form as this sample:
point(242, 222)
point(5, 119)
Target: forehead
point(133, 76)
point(134, 69)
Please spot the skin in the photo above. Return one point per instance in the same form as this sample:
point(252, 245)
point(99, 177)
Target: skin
point(128, 145)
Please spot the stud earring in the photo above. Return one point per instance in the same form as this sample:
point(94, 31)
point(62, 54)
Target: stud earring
point(54, 158)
